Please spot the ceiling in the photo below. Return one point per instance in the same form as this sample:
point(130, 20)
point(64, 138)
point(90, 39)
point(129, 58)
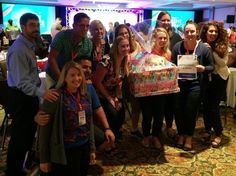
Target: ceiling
point(142, 4)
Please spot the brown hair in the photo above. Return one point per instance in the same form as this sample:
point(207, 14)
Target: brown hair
point(221, 43)
point(114, 54)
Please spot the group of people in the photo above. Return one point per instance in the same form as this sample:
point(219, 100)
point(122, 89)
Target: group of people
point(84, 104)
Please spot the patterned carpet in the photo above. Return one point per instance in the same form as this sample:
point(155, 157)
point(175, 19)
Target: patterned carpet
point(134, 160)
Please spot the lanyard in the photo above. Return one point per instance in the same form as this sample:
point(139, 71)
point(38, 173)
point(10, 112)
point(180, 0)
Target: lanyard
point(194, 51)
point(76, 98)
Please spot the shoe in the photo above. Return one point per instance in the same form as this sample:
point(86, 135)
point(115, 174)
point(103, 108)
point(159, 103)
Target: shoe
point(206, 137)
point(111, 152)
point(136, 134)
point(157, 143)
point(217, 142)
point(188, 146)
point(146, 142)
point(180, 142)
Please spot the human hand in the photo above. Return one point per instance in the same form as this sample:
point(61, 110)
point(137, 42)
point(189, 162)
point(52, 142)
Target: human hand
point(45, 167)
point(109, 135)
point(200, 68)
point(51, 95)
point(41, 118)
point(207, 45)
point(92, 158)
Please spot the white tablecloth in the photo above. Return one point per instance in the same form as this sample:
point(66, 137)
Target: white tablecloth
point(231, 88)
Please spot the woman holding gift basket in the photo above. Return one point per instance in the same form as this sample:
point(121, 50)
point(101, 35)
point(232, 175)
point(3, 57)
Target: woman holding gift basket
point(108, 79)
point(153, 106)
point(194, 56)
point(135, 48)
point(164, 21)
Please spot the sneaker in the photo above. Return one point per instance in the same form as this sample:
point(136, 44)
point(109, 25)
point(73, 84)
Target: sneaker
point(136, 134)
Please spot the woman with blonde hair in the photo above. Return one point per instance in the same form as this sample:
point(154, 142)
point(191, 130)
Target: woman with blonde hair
point(161, 42)
point(101, 46)
point(67, 141)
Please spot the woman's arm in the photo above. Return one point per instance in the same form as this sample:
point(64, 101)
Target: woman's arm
point(99, 76)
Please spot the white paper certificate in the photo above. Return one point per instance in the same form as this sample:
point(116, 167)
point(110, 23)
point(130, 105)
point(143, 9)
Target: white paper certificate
point(187, 67)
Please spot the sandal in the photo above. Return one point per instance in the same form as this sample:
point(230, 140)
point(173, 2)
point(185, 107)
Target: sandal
point(146, 142)
point(157, 143)
point(180, 142)
point(188, 146)
point(216, 142)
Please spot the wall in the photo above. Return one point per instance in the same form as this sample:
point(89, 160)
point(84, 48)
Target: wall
point(219, 14)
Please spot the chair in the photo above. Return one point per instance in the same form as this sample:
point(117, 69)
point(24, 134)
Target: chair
point(7, 118)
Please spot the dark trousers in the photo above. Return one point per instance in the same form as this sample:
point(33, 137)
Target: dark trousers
point(152, 109)
point(115, 117)
point(77, 162)
point(186, 109)
point(23, 109)
point(211, 109)
point(169, 109)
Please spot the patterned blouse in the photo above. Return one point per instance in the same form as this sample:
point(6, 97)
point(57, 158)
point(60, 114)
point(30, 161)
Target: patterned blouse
point(76, 134)
point(112, 84)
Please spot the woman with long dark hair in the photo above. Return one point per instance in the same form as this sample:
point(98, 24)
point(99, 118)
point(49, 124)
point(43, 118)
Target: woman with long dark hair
point(215, 37)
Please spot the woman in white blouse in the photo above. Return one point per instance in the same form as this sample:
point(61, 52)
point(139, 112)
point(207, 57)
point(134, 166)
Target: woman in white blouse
point(215, 37)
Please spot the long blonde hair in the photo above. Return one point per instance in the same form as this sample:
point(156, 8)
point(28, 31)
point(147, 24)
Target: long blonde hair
point(61, 82)
point(155, 35)
point(114, 55)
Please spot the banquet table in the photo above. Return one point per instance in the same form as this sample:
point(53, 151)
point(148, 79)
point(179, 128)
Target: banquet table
point(231, 88)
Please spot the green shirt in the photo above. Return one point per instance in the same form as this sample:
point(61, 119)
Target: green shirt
point(68, 49)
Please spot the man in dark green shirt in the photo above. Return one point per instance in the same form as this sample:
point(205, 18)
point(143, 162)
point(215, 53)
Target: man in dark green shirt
point(68, 45)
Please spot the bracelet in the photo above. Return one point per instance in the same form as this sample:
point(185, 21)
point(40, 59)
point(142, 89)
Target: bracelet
point(107, 129)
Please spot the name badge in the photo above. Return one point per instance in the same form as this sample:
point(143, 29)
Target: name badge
point(82, 118)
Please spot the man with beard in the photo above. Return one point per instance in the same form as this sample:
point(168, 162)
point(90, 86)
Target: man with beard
point(24, 82)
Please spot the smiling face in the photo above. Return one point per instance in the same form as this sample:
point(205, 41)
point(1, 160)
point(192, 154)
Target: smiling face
point(82, 27)
point(123, 32)
point(73, 79)
point(161, 39)
point(124, 47)
point(98, 31)
point(164, 22)
point(190, 32)
point(212, 34)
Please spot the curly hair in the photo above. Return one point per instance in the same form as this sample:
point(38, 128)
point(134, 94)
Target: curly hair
point(221, 43)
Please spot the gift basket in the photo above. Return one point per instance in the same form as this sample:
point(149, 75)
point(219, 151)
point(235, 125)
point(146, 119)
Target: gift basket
point(150, 74)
